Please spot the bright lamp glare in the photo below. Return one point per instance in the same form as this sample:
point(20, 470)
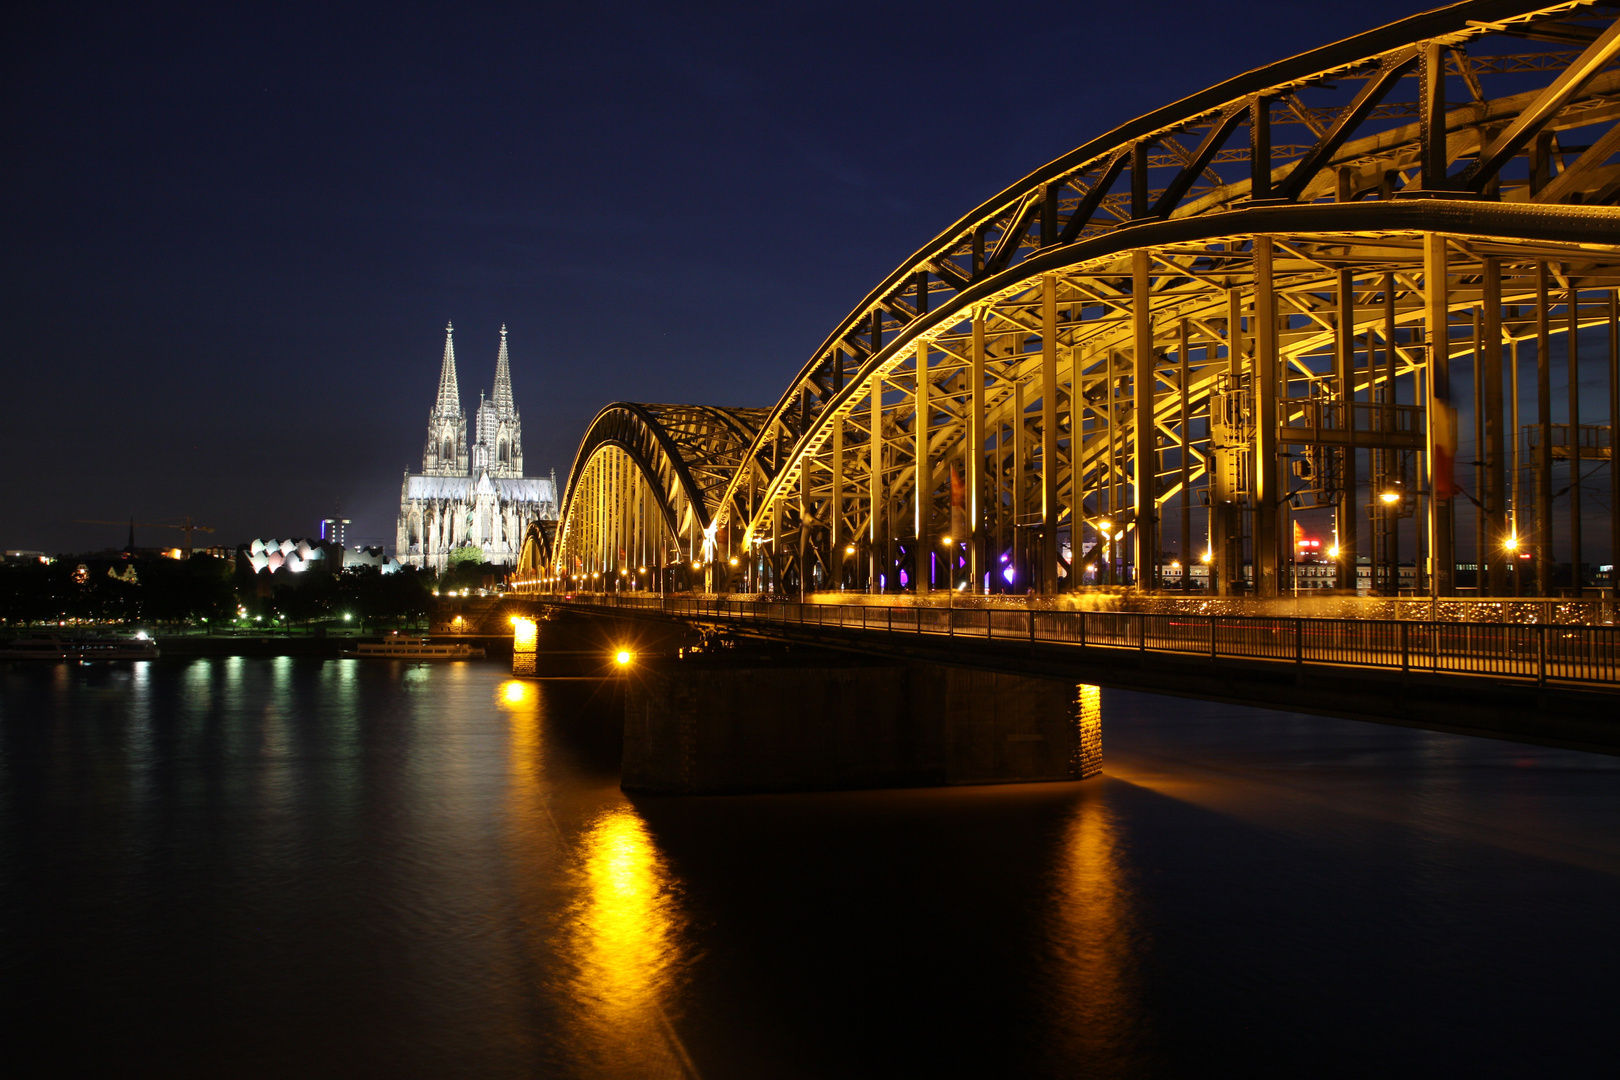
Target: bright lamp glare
point(622, 657)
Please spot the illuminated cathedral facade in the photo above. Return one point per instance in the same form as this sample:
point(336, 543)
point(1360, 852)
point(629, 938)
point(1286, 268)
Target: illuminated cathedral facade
point(471, 496)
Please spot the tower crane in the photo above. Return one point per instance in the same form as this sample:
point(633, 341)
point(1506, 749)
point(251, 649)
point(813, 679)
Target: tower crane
point(187, 526)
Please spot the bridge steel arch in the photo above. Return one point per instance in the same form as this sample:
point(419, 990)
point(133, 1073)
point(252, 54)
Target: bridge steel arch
point(1262, 303)
point(641, 498)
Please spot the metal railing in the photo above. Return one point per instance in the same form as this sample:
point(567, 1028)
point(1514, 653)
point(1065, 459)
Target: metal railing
point(1541, 652)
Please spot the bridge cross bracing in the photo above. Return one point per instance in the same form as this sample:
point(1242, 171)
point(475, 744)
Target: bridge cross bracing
point(1373, 290)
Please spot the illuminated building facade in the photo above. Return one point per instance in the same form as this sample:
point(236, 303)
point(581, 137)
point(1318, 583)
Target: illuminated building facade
point(471, 496)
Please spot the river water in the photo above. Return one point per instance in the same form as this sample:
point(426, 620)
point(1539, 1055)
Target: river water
point(299, 868)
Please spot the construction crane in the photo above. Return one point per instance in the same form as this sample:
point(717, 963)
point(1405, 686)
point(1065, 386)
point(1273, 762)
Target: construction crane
point(186, 526)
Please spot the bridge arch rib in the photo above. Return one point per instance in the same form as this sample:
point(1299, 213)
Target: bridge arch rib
point(644, 490)
point(1251, 306)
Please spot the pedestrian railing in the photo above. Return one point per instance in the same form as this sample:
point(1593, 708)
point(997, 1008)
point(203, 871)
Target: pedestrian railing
point(1541, 652)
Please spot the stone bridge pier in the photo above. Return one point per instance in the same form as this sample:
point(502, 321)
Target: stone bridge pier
point(712, 715)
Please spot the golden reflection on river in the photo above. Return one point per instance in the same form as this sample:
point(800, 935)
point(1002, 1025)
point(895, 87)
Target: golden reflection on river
point(624, 932)
point(619, 935)
point(1095, 941)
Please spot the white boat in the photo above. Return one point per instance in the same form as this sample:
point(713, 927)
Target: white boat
point(407, 649)
point(55, 648)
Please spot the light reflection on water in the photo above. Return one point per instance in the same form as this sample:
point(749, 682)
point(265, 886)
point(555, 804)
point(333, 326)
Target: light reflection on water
point(279, 867)
point(618, 937)
point(1095, 943)
point(623, 942)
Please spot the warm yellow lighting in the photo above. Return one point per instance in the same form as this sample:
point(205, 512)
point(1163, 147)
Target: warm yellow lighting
point(734, 560)
point(1390, 497)
point(696, 565)
point(623, 657)
point(1174, 565)
point(849, 550)
point(641, 570)
point(1207, 557)
point(1511, 543)
point(1105, 526)
point(1333, 552)
point(945, 540)
point(514, 691)
point(623, 940)
point(525, 632)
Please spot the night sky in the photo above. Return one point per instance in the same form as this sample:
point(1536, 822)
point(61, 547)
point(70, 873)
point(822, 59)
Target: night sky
point(232, 235)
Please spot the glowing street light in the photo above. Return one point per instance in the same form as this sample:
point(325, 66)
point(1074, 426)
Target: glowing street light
point(623, 657)
point(1511, 543)
point(1390, 497)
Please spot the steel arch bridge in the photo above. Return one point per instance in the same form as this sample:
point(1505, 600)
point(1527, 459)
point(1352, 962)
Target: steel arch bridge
point(1259, 306)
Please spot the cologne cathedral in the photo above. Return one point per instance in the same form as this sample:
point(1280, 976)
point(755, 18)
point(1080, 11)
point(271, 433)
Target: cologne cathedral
point(471, 497)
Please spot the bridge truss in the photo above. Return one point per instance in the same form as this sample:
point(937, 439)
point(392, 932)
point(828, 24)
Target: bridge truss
point(1298, 295)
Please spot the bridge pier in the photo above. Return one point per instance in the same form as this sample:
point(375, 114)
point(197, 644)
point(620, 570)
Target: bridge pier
point(712, 725)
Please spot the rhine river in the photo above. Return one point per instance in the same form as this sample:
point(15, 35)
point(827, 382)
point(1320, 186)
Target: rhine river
point(297, 868)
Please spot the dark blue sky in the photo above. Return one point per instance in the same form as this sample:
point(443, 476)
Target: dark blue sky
point(232, 235)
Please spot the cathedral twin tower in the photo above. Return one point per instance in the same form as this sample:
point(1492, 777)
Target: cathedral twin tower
point(471, 503)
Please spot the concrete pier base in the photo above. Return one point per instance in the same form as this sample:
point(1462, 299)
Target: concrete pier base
point(714, 725)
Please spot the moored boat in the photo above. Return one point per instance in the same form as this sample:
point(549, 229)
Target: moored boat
point(415, 649)
point(56, 648)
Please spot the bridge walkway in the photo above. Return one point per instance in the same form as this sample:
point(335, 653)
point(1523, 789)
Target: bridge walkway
point(1543, 683)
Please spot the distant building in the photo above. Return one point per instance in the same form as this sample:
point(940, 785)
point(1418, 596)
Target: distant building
point(297, 556)
point(25, 555)
point(472, 496)
point(370, 555)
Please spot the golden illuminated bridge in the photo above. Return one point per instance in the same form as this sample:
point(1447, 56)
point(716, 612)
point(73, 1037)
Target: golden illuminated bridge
point(1368, 295)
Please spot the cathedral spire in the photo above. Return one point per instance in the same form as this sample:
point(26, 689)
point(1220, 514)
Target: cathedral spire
point(449, 403)
point(445, 453)
point(501, 395)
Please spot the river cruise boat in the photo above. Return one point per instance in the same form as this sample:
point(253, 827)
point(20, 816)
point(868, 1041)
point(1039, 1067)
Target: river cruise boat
point(55, 648)
point(411, 649)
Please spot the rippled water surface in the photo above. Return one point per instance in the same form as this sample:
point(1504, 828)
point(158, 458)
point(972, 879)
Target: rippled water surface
point(292, 868)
